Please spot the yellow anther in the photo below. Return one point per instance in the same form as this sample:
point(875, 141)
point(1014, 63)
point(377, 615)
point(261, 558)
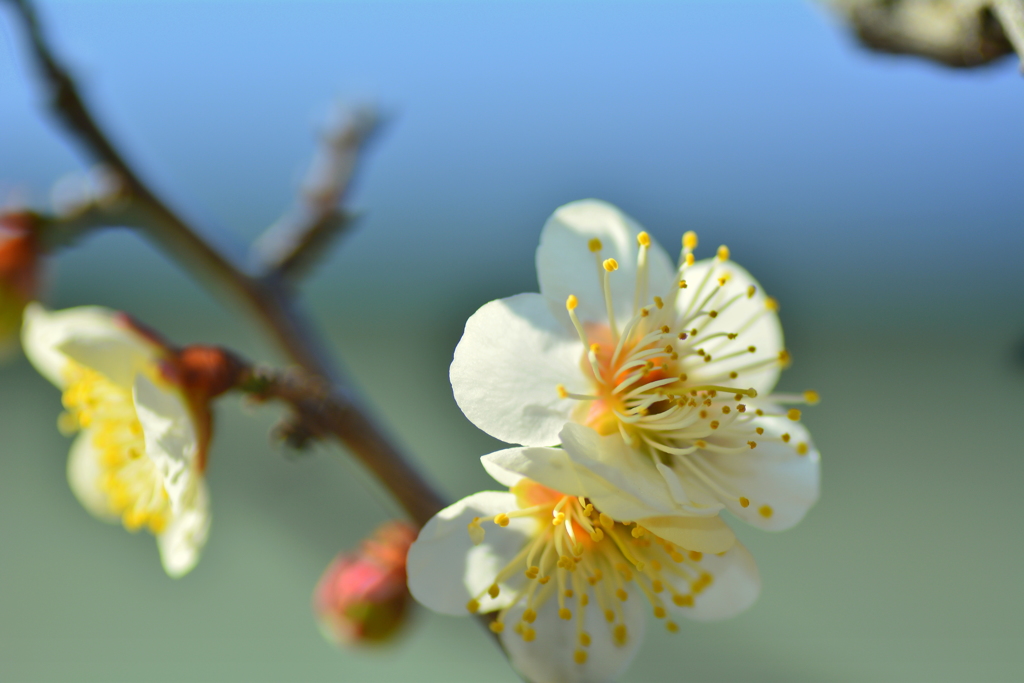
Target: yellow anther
point(744, 502)
point(672, 627)
point(759, 412)
point(786, 437)
point(695, 555)
point(742, 408)
point(584, 600)
point(659, 302)
point(606, 521)
point(751, 289)
point(682, 283)
point(665, 329)
point(723, 253)
point(700, 443)
point(793, 414)
point(722, 280)
point(597, 536)
point(529, 616)
point(585, 639)
point(572, 302)
point(772, 304)
point(502, 519)
point(683, 600)
point(568, 593)
point(497, 627)
point(580, 657)
point(656, 585)
point(621, 635)
point(766, 511)
point(759, 430)
point(714, 424)
point(529, 634)
point(726, 410)
point(621, 594)
point(473, 606)
point(558, 519)
point(752, 444)
point(493, 591)
point(690, 259)
point(610, 264)
point(751, 349)
point(811, 397)
point(784, 357)
point(731, 335)
point(802, 448)
point(683, 376)
point(564, 614)
point(609, 615)
point(690, 240)
point(659, 612)
point(594, 244)
point(643, 239)
point(562, 391)
point(712, 314)
point(588, 510)
point(543, 580)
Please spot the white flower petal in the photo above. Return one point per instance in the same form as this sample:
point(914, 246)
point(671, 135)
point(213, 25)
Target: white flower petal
point(735, 586)
point(550, 467)
point(622, 481)
point(170, 436)
point(703, 534)
point(85, 477)
point(773, 474)
point(565, 264)
point(507, 369)
point(549, 658)
point(446, 570)
point(89, 335)
point(764, 333)
point(186, 534)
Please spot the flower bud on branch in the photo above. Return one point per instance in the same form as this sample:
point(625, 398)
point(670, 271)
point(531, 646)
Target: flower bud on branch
point(362, 597)
point(19, 271)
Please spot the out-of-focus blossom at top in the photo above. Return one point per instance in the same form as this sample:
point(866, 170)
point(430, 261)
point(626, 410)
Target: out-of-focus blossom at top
point(569, 583)
point(140, 452)
point(19, 272)
point(362, 597)
point(646, 371)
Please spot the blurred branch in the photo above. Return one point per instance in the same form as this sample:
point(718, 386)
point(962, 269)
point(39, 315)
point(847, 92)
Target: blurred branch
point(292, 244)
point(959, 33)
point(265, 297)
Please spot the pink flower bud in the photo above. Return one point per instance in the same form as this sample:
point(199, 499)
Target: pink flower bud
point(362, 597)
point(19, 270)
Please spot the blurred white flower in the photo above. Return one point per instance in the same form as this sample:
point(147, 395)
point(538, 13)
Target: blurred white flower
point(674, 363)
point(139, 456)
point(570, 584)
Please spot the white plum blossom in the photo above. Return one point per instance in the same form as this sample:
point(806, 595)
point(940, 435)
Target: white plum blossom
point(139, 454)
point(569, 584)
point(655, 377)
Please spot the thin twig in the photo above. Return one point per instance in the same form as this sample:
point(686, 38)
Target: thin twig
point(291, 245)
point(267, 298)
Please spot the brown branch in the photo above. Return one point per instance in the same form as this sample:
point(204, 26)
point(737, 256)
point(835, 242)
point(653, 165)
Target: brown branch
point(266, 298)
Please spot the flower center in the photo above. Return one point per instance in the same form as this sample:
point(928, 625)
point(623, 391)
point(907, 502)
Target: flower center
point(670, 382)
point(133, 485)
point(587, 554)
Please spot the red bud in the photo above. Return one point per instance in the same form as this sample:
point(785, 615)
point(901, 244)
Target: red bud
point(362, 597)
point(19, 268)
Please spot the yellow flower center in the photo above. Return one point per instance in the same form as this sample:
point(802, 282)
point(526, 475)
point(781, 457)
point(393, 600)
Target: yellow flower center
point(586, 560)
point(133, 485)
point(663, 381)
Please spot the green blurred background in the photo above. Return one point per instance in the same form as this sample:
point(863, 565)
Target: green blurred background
point(879, 199)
